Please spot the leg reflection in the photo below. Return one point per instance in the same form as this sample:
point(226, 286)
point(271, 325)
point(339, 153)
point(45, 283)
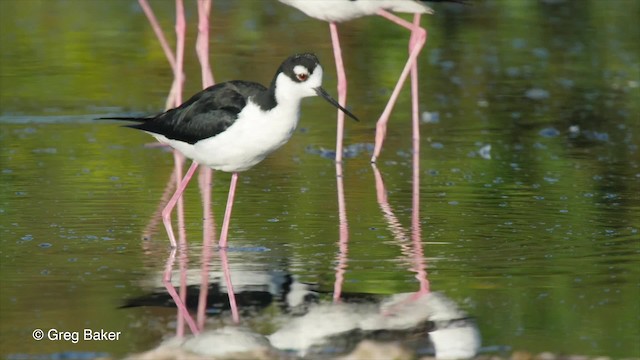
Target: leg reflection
point(183, 313)
point(343, 244)
point(411, 247)
point(227, 277)
point(208, 238)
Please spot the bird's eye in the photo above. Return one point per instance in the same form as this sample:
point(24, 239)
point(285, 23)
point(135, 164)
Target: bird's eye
point(302, 76)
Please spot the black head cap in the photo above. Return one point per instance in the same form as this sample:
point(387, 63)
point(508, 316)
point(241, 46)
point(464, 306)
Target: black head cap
point(308, 60)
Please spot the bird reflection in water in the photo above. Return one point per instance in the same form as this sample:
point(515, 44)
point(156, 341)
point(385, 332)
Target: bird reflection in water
point(425, 322)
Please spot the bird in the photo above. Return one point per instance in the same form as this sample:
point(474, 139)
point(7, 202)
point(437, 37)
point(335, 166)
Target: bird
point(335, 11)
point(234, 125)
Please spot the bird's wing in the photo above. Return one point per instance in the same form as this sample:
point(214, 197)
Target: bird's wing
point(205, 115)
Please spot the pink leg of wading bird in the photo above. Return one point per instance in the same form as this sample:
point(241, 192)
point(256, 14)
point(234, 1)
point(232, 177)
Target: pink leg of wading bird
point(174, 99)
point(202, 43)
point(208, 234)
point(342, 88)
point(202, 48)
point(175, 96)
point(204, 7)
point(416, 43)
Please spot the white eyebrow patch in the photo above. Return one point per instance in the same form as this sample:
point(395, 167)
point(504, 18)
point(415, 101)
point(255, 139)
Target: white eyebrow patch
point(300, 69)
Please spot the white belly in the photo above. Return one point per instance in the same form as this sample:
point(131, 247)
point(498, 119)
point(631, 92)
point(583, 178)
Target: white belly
point(244, 144)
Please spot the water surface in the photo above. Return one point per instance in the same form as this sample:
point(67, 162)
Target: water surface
point(529, 168)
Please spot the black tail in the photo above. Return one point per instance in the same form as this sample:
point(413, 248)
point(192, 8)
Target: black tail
point(125, 118)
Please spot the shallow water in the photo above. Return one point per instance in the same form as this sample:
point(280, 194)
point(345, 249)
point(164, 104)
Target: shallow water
point(529, 169)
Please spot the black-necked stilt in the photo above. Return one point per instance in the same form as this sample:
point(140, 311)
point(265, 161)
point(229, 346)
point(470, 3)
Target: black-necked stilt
point(335, 11)
point(234, 125)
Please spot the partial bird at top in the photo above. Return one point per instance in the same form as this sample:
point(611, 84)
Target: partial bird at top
point(335, 11)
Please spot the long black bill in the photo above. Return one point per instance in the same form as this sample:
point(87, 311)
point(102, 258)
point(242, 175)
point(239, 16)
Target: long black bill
point(323, 93)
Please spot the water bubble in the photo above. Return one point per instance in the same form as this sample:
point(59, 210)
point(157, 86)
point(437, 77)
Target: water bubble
point(513, 71)
point(485, 152)
point(537, 94)
point(541, 53)
point(45, 151)
point(447, 65)
point(549, 132)
point(566, 83)
point(518, 43)
point(428, 117)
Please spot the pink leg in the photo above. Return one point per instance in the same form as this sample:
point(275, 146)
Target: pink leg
point(342, 88)
point(158, 31)
point(416, 229)
point(227, 213)
point(173, 99)
point(223, 250)
point(419, 37)
point(178, 79)
point(175, 95)
point(202, 43)
point(202, 49)
point(178, 82)
point(414, 89)
point(180, 35)
point(344, 236)
point(166, 213)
